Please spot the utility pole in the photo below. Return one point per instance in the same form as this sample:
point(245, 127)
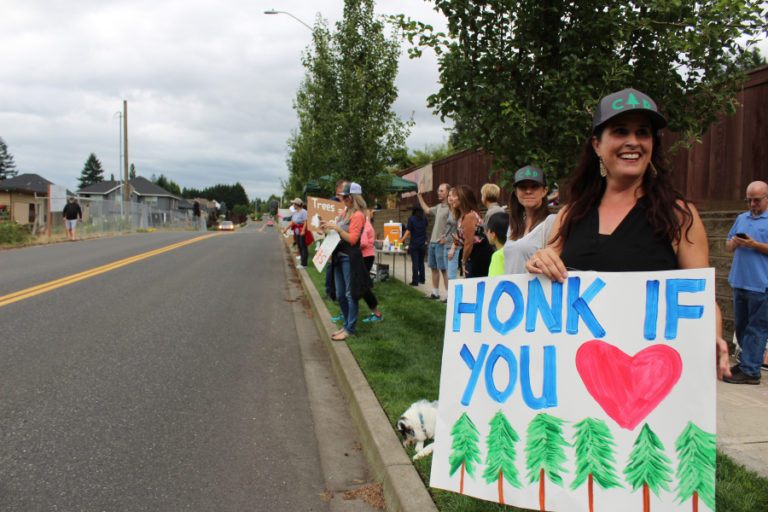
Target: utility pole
point(126, 188)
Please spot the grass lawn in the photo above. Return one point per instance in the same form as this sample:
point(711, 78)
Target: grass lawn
point(401, 358)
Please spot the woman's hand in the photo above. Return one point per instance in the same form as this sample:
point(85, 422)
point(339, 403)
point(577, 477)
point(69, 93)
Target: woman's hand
point(450, 253)
point(547, 261)
point(723, 361)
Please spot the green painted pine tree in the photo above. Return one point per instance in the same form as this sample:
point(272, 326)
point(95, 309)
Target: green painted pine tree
point(696, 469)
point(544, 452)
point(464, 451)
point(500, 461)
point(595, 456)
point(648, 466)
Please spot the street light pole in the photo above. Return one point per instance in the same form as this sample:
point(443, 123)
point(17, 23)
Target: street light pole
point(272, 11)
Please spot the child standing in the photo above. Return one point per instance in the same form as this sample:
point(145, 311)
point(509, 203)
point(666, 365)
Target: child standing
point(496, 231)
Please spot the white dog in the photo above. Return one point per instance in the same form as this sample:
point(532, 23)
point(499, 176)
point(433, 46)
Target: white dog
point(417, 425)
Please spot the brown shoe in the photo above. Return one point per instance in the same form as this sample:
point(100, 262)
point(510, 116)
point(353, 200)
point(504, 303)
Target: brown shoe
point(740, 377)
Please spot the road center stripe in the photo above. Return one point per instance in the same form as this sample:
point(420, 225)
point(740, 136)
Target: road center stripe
point(64, 281)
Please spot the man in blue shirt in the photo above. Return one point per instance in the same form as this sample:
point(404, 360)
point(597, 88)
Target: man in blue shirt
point(748, 239)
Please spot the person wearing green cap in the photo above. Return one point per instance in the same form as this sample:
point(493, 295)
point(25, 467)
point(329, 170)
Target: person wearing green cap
point(623, 213)
point(529, 218)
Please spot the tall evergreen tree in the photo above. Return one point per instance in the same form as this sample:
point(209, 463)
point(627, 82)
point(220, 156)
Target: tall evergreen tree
point(7, 165)
point(92, 172)
point(132, 172)
point(544, 451)
point(648, 466)
point(595, 456)
point(696, 469)
point(500, 460)
point(464, 450)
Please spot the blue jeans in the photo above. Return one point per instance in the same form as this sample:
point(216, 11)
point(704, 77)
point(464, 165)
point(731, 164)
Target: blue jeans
point(452, 266)
point(750, 316)
point(329, 278)
point(343, 276)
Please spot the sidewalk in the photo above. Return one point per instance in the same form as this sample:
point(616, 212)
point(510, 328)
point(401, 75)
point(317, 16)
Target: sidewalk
point(742, 412)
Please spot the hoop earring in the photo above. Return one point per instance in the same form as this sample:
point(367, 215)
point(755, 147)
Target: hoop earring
point(654, 172)
point(603, 168)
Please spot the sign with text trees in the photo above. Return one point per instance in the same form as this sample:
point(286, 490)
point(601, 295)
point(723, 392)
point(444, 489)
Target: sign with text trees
point(596, 394)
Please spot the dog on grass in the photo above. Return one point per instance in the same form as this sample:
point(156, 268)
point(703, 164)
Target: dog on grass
point(417, 425)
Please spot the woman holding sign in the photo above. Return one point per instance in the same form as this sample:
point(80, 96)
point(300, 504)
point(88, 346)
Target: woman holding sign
point(350, 228)
point(623, 213)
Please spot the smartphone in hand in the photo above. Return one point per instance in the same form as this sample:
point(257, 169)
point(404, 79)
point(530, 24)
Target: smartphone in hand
point(741, 235)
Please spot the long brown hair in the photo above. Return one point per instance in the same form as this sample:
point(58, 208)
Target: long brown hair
point(467, 200)
point(517, 216)
point(663, 210)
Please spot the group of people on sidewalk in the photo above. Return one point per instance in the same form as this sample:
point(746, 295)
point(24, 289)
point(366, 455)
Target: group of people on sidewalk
point(622, 214)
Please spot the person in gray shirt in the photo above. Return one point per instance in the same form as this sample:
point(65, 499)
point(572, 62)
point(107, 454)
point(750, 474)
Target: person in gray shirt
point(436, 251)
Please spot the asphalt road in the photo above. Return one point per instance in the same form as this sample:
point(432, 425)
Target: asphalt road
point(171, 383)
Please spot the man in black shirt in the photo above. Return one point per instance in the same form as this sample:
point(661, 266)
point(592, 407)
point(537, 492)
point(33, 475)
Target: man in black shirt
point(71, 214)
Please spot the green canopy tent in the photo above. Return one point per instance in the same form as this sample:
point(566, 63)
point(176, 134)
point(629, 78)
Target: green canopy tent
point(400, 185)
point(312, 187)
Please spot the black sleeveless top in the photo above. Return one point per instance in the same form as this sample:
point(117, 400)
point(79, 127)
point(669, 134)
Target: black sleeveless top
point(632, 247)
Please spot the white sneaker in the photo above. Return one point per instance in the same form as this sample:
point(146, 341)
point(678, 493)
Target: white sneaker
point(300, 266)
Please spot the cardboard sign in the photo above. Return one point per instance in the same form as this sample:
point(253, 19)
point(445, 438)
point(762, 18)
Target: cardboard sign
point(325, 250)
point(319, 210)
point(595, 394)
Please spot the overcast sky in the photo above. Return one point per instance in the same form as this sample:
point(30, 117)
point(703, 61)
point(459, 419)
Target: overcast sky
point(209, 86)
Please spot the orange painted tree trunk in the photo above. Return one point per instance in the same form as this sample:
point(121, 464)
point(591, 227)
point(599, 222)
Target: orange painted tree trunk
point(541, 490)
point(501, 486)
point(461, 485)
point(695, 499)
point(646, 498)
point(591, 493)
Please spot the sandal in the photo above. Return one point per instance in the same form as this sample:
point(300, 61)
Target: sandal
point(337, 333)
point(340, 337)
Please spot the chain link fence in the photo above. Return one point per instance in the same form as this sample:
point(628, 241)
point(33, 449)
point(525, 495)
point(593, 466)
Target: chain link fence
point(104, 217)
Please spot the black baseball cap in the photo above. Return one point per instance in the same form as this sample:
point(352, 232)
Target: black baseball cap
point(530, 173)
point(622, 102)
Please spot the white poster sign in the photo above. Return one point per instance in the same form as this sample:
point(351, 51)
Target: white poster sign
point(597, 394)
point(322, 254)
point(58, 197)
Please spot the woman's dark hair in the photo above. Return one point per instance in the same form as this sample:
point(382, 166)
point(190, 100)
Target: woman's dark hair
point(417, 211)
point(467, 201)
point(662, 200)
point(498, 224)
point(517, 216)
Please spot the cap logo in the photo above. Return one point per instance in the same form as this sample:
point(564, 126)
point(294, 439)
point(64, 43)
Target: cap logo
point(632, 102)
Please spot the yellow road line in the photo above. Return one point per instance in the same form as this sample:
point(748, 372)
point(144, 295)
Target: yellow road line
point(64, 281)
point(262, 227)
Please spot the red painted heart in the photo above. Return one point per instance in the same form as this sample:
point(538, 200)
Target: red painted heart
point(628, 388)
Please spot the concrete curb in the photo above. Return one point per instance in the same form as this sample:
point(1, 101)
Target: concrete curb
point(403, 489)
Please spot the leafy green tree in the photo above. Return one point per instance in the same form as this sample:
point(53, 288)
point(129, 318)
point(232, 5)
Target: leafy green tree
point(464, 450)
point(500, 460)
point(370, 132)
point(92, 172)
point(7, 165)
point(518, 77)
point(312, 148)
point(544, 452)
point(347, 128)
point(648, 466)
point(430, 153)
point(595, 456)
point(696, 454)
point(169, 185)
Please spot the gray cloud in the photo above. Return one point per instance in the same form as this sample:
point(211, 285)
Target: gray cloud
point(209, 86)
